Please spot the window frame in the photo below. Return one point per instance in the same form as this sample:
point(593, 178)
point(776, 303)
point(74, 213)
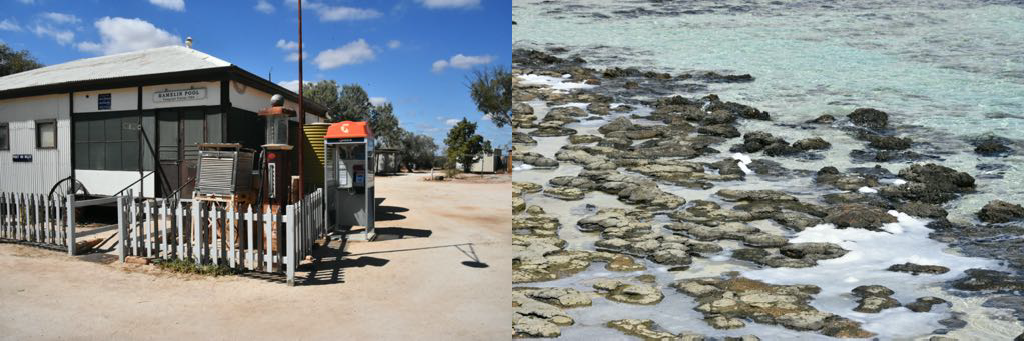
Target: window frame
point(5, 144)
point(39, 136)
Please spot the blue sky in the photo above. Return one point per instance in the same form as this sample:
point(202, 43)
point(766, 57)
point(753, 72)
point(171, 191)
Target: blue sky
point(414, 53)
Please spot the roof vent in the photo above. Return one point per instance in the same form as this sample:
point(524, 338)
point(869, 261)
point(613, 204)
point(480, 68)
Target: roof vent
point(188, 42)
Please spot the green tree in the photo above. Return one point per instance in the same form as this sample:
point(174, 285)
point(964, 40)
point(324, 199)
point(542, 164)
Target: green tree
point(464, 145)
point(354, 104)
point(416, 150)
point(491, 90)
point(12, 61)
point(385, 125)
point(325, 93)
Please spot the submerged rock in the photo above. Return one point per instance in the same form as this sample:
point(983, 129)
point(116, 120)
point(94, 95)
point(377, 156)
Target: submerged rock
point(533, 318)
point(869, 118)
point(998, 211)
point(726, 302)
point(923, 210)
point(620, 291)
point(647, 330)
point(874, 298)
point(813, 143)
point(929, 183)
point(859, 216)
point(564, 193)
point(989, 280)
point(924, 304)
point(915, 269)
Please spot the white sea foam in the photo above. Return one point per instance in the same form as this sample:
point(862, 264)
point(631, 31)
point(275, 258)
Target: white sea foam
point(867, 189)
point(523, 167)
point(743, 161)
point(552, 82)
point(870, 254)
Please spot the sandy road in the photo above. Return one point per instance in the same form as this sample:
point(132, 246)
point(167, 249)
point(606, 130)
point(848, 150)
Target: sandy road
point(414, 287)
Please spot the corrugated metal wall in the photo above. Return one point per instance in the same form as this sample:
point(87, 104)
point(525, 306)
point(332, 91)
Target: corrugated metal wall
point(48, 165)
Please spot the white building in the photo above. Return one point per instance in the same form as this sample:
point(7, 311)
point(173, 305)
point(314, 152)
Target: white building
point(82, 119)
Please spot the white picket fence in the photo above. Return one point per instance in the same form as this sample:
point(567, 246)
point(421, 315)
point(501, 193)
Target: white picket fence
point(256, 239)
point(35, 219)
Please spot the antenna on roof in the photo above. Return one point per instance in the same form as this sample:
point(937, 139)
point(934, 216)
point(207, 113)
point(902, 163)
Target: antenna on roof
point(188, 42)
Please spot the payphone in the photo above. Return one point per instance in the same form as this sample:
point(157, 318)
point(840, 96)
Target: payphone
point(348, 177)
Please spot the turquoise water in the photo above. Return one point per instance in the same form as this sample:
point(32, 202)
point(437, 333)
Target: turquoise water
point(950, 70)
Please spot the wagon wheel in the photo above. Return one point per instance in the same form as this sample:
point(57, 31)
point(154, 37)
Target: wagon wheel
point(67, 186)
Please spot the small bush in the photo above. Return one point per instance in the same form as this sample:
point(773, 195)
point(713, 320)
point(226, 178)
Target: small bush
point(188, 266)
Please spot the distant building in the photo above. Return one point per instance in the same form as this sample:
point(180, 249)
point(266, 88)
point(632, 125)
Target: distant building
point(82, 119)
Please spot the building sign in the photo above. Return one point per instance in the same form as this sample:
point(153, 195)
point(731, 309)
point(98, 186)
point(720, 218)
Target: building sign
point(22, 158)
point(103, 102)
point(179, 95)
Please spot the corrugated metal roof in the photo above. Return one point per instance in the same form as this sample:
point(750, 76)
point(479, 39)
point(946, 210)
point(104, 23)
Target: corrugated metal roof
point(137, 63)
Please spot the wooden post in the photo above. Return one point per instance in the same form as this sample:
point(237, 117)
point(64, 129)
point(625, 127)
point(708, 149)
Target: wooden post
point(58, 231)
point(290, 218)
point(71, 225)
point(121, 230)
point(180, 223)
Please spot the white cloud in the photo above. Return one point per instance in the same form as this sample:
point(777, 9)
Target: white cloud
point(61, 18)
point(338, 13)
point(460, 61)
point(452, 121)
point(27, 1)
point(123, 35)
point(449, 3)
point(287, 45)
point(264, 6)
point(63, 37)
point(394, 44)
point(292, 85)
point(439, 65)
point(294, 56)
point(352, 53)
point(9, 25)
point(174, 5)
point(486, 117)
point(379, 100)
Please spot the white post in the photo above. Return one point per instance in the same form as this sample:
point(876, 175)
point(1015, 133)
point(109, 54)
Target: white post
point(250, 256)
point(214, 217)
point(71, 225)
point(269, 236)
point(196, 230)
point(149, 227)
point(290, 220)
point(179, 221)
point(121, 237)
point(164, 217)
point(58, 231)
point(231, 221)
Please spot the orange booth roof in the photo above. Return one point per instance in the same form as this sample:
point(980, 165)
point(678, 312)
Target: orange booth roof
point(348, 129)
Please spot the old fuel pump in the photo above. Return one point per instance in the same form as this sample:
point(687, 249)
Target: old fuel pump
point(348, 177)
point(276, 151)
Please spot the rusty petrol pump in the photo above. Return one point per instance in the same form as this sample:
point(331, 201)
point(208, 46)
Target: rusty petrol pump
point(348, 178)
point(277, 160)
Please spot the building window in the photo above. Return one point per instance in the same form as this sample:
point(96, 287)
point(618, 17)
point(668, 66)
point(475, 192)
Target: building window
point(108, 141)
point(46, 134)
point(5, 136)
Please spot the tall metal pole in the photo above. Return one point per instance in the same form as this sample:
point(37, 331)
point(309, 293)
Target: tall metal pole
point(302, 113)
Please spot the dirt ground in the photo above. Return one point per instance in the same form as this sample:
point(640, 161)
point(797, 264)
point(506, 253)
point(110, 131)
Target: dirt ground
point(439, 270)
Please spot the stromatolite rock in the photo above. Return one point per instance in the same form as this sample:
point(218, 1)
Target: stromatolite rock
point(869, 118)
point(915, 269)
point(726, 302)
point(998, 211)
point(874, 298)
point(859, 216)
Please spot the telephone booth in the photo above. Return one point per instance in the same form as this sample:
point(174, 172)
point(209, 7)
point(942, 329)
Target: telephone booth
point(348, 177)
